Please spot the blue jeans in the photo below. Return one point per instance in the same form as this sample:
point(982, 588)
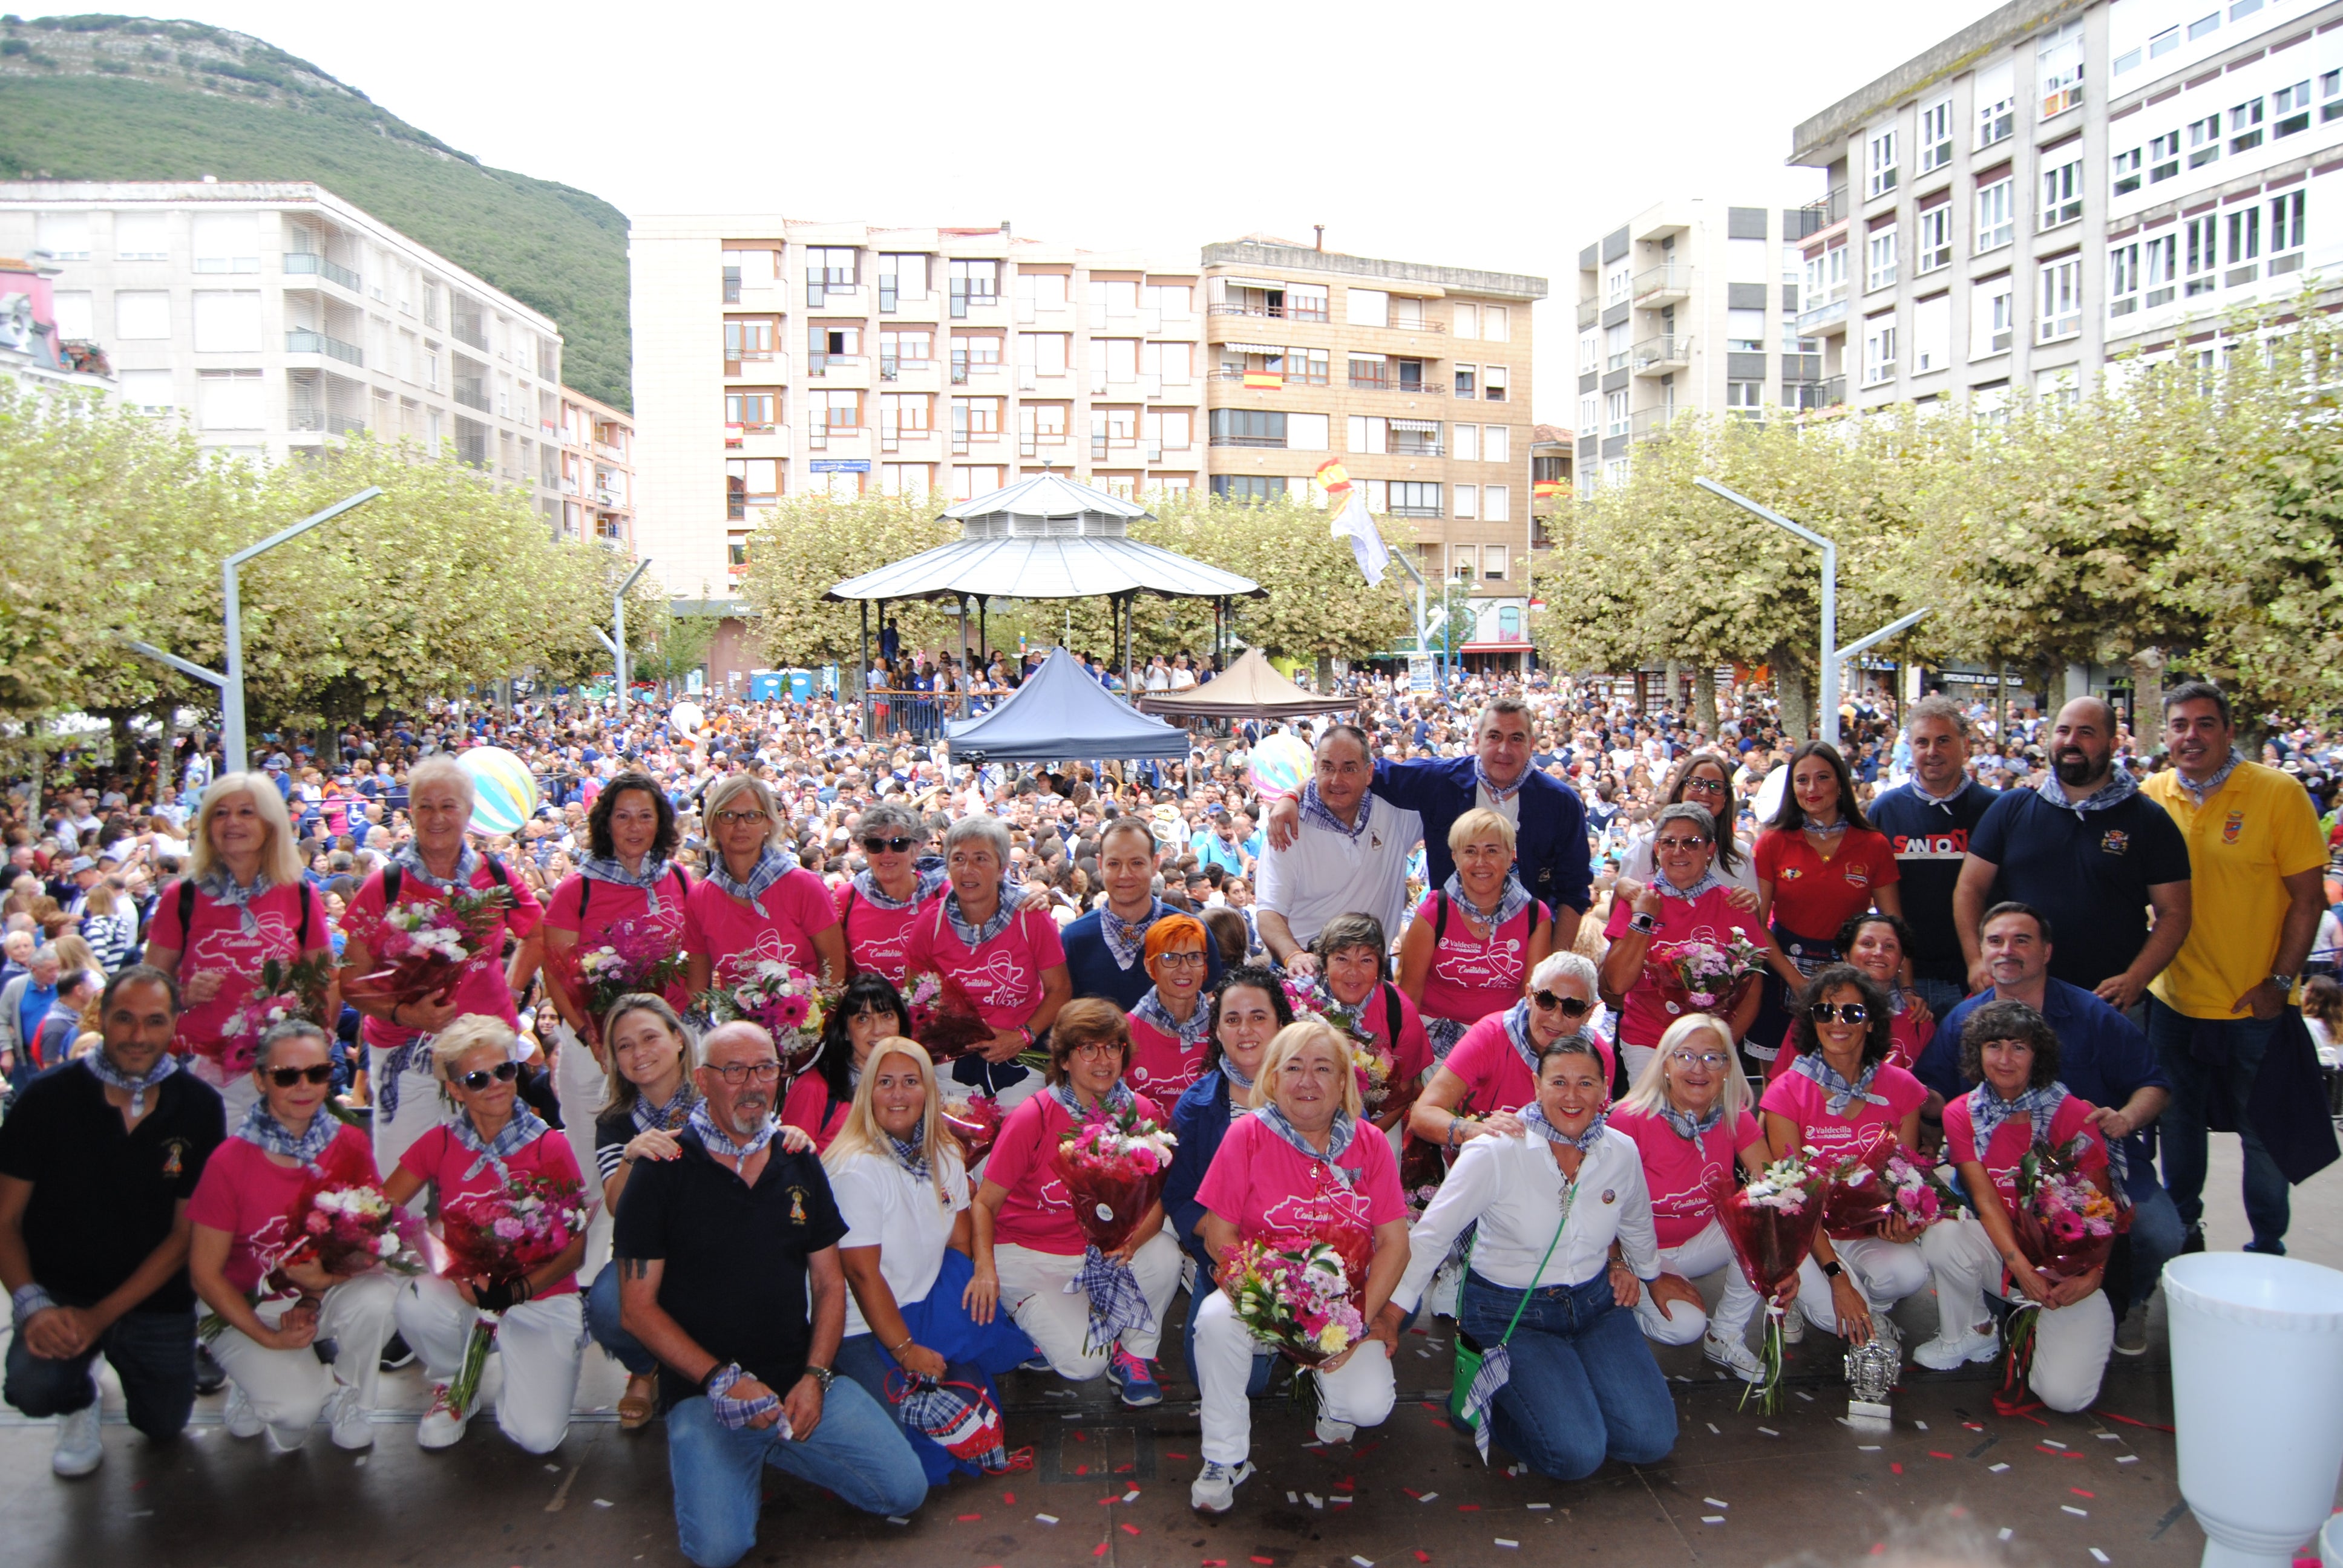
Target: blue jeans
point(602, 1322)
point(1942, 996)
point(154, 1354)
point(2182, 1129)
point(973, 1352)
point(1583, 1386)
point(857, 1451)
point(2157, 1234)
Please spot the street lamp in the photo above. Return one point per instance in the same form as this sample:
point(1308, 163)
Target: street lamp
point(1832, 654)
point(618, 646)
point(230, 685)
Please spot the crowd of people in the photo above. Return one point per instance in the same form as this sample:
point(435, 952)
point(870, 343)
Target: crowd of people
point(1970, 936)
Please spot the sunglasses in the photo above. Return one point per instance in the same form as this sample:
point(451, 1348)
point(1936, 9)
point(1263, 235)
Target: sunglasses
point(1568, 1006)
point(1843, 1012)
point(287, 1077)
point(887, 846)
point(502, 1072)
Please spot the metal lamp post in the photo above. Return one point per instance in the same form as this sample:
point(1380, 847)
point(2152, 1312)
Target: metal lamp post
point(618, 646)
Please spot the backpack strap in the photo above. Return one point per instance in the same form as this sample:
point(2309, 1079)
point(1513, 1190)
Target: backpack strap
point(1391, 1018)
point(497, 869)
point(585, 894)
point(301, 936)
point(394, 876)
point(1440, 919)
point(187, 906)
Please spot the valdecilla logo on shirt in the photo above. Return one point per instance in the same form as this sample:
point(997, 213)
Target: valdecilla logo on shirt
point(2234, 825)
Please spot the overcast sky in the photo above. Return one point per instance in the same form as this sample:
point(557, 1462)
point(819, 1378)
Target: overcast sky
point(1473, 134)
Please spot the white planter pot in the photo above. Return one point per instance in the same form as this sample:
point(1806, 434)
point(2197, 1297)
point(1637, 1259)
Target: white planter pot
point(2257, 1400)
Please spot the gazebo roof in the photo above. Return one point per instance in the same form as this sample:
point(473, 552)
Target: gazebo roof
point(1249, 689)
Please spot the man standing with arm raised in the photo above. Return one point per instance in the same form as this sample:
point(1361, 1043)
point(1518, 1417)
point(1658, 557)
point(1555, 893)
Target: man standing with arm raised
point(1350, 856)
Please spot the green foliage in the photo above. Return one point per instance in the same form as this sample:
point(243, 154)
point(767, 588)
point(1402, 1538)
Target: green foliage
point(559, 250)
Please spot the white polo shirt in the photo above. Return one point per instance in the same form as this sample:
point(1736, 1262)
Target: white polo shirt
point(1327, 873)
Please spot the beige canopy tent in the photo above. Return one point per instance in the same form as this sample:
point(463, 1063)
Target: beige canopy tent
point(1251, 690)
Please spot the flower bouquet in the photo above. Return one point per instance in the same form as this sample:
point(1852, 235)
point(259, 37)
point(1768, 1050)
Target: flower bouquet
point(1113, 1166)
point(1376, 1061)
point(2066, 1227)
point(975, 1122)
point(1771, 1225)
point(499, 1237)
point(634, 955)
point(1703, 976)
point(346, 1226)
point(944, 1017)
point(767, 991)
point(423, 947)
point(1880, 1181)
point(1298, 1300)
point(285, 990)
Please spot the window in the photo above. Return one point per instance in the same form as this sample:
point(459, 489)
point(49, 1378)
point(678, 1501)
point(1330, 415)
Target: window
point(1793, 344)
point(226, 322)
point(1411, 499)
point(1114, 296)
point(1496, 324)
point(2245, 126)
point(753, 409)
point(1882, 162)
point(901, 276)
point(2160, 268)
point(1615, 413)
point(2285, 235)
point(1826, 278)
point(1043, 423)
point(1172, 429)
point(1496, 444)
point(149, 389)
point(913, 479)
point(975, 419)
point(902, 414)
point(227, 242)
point(1994, 224)
point(2290, 110)
point(1259, 488)
point(2330, 95)
point(749, 482)
point(830, 408)
point(143, 314)
point(1043, 353)
point(1744, 399)
point(1043, 290)
point(2164, 43)
point(1879, 259)
point(1615, 346)
point(2059, 303)
point(1590, 353)
point(973, 283)
point(1748, 261)
point(76, 321)
point(1618, 284)
point(1367, 307)
point(147, 236)
point(64, 234)
point(1991, 317)
point(1494, 564)
point(2122, 279)
point(2200, 248)
point(1936, 238)
point(1936, 137)
point(1115, 359)
point(2057, 386)
point(1932, 334)
point(1493, 383)
point(229, 400)
point(1496, 504)
point(1468, 380)
point(971, 481)
point(1879, 349)
point(748, 337)
point(1247, 428)
point(1997, 103)
point(2163, 157)
point(2126, 172)
point(2058, 61)
point(2062, 194)
point(829, 269)
point(2204, 140)
point(1465, 503)
point(1465, 444)
point(974, 354)
point(1179, 299)
point(1303, 367)
point(2203, 24)
point(1303, 432)
point(1744, 331)
point(1465, 321)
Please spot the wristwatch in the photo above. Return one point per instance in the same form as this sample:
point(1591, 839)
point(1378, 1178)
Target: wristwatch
point(821, 1375)
point(1834, 1269)
point(1647, 924)
point(2284, 982)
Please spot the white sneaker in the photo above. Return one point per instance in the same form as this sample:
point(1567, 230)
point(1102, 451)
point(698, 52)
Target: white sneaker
point(353, 1422)
point(239, 1417)
point(1734, 1355)
point(1332, 1432)
point(1215, 1491)
point(442, 1425)
point(79, 1450)
point(286, 1440)
point(1942, 1354)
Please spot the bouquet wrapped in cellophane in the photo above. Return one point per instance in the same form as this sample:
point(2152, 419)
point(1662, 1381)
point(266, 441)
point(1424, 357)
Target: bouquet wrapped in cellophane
point(422, 947)
point(499, 1237)
point(1113, 1166)
point(1300, 1300)
point(2066, 1227)
point(1770, 1225)
point(1882, 1181)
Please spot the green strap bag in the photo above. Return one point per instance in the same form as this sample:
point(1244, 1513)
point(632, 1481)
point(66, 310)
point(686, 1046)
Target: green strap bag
point(1468, 1398)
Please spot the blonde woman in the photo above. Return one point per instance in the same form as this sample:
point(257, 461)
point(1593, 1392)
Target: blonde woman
point(243, 902)
point(1475, 941)
point(914, 1248)
point(1692, 1120)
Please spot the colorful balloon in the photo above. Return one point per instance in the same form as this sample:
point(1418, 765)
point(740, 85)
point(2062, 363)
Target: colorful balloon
point(504, 791)
point(1280, 764)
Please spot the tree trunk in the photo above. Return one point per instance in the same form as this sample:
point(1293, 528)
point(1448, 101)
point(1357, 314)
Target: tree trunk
point(1673, 676)
point(1794, 688)
point(166, 714)
point(2146, 696)
point(1704, 699)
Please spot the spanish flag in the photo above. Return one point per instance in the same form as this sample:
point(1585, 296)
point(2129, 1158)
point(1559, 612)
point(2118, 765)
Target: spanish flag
point(1331, 477)
point(1546, 487)
point(1267, 380)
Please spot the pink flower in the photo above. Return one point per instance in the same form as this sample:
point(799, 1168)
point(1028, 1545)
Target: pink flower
point(509, 1229)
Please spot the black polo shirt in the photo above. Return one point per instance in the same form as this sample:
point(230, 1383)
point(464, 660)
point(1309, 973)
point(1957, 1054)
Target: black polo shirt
point(735, 1256)
point(2090, 874)
point(1931, 840)
point(105, 1197)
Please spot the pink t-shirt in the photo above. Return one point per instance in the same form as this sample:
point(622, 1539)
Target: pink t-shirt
point(1710, 918)
point(1003, 977)
point(1806, 1105)
point(217, 944)
point(482, 989)
point(253, 1199)
point(609, 903)
point(1494, 1072)
point(2011, 1141)
point(1905, 1044)
point(1271, 1191)
point(1037, 1215)
point(875, 937)
point(441, 1161)
point(1680, 1170)
point(807, 1107)
point(730, 932)
point(1470, 978)
point(1161, 1067)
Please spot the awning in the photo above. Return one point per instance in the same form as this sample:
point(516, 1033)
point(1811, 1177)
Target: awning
point(1495, 648)
point(1422, 426)
point(1253, 283)
point(1277, 348)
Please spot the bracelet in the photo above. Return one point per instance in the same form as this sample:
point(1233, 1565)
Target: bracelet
point(27, 1301)
point(897, 1350)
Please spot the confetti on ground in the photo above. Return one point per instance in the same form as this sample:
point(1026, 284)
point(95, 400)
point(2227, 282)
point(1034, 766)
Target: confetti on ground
point(1921, 1425)
point(1099, 1550)
point(1973, 1426)
point(1465, 1507)
point(1868, 1447)
point(1539, 1507)
point(1312, 1499)
point(1897, 1468)
point(2051, 1443)
point(1808, 1397)
point(1046, 1518)
point(1293, 1497)
point(1169, 1455)
point(553, 1469)
point(604, 1503)
point(1934, 1454)
point(1265, 1562)
point(1424, 1556)
point(2109, 1437)
point(2006, 1532)
point(1009, 1498)
point(968, 1518)
point(2080, 1493)
point(1081, 1469)
point(1338, 1500)
point(1131, 1529)
point(1996, 1469)
point(1130, 1495)
point(2128, 1458)
point(2078, 1512)
point(1712, 1519)
point(1502, 1542)
point(1769, 1432)
point(1716, 1503)
point(1363, 1562)
point(2099, 1555)
point(1712, 1426)
point(897, 1519)
point(1428, 1497)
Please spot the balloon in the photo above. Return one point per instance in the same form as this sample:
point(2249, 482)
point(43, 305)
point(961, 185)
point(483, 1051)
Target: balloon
point(1280, 764)
point(504, 791)
point(687, 718)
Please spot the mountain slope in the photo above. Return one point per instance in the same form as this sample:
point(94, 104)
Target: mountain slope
point(125, 97)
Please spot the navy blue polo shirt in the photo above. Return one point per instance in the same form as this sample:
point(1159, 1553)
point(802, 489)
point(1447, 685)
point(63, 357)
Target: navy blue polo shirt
point(2103, 1056)
point(2089, 874)
point(1932, 840)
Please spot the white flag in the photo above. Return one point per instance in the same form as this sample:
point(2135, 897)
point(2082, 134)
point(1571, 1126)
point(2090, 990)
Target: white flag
point(1366, 544)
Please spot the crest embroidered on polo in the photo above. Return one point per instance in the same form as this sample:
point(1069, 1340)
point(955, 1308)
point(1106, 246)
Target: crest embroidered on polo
point(2114, 841)
point(1610, 1194)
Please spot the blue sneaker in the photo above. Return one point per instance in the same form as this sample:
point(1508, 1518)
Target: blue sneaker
point(1036, 1362)
point(1134, 1378)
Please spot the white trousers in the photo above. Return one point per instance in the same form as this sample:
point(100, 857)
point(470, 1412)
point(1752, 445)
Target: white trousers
point(1034, 1287)
point(1682, 1324)
point(540, 1343)
point(238, 1094)
point(1884, 1272)
point(2070, 1343)
point(421, 1107)
point(579, 1085)
point(1359, 1392)
point(288, 1389)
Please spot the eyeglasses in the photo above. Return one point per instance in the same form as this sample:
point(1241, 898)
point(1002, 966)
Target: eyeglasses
point(736, 1073)
point(1679, 843)
point(730, 819)
point(287, 1077)
point(1699, 1059)
point(1843, 1013)
point(502, 1072)
point(1568, 1006)
point(1704, 786)
point(1181, 960)
point(887, 846)
point(1096, 1050)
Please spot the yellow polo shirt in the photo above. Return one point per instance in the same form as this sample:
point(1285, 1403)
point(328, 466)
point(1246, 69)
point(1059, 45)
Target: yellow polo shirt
point(2258, 829)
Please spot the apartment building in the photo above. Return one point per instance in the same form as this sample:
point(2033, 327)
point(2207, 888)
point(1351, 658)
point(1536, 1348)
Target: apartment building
point(776, 357)
point(276, 316)
point(2066, 179)
point(597, 476)
point(1690, 307)
point(1416, 375)
point(34, 355)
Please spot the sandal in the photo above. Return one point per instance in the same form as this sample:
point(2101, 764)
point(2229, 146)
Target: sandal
point(638, 1404)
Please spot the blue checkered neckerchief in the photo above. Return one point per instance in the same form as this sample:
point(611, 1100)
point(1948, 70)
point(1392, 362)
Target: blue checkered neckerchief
point(976, 937)
point(1512, 899)
point(525, 1129)
point(2119, 788)
point(1152, 1011)
point(264, 1131)
point(1316, 814)
point(1124, 939)
point(1688, 1127)
point(1842, 1093)
point(1988, 1110)
point(771, 866)
point(667, 1118)
point(924, 886)
point(409, 861)
point(1496, 795)
point(2201, 793)
point(1532, 1118)
point(1339, 1138)
point(223, 888)
point(594, 868)
point(1115, 1101)
point(102, 1068)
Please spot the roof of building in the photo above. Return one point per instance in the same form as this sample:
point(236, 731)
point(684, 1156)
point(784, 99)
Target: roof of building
point(1261, 251)
point(1822, 140)
point(1541, 433)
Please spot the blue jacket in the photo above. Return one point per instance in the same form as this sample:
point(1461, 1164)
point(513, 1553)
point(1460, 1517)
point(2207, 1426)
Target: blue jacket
point(1094, 972)
point(1551, 855)
point(2103, 1056)
point(1200, 1120)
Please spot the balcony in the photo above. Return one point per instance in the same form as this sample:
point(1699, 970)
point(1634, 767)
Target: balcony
point(1288, 311)
point(1590, 311)
point(1644, 423)
point(471, 396)
point(301, 340)
point(1663, 285)
point(1830, 393)
point(1825, 313)
point(1415, 512)
point(1277, 442)
point(1662, 355)
point(1385, 384)
point(297, 262)
point(1817, 216)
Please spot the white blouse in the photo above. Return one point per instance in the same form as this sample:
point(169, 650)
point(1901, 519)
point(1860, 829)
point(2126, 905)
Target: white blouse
point(887, 1207)
point(1514, 1188)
